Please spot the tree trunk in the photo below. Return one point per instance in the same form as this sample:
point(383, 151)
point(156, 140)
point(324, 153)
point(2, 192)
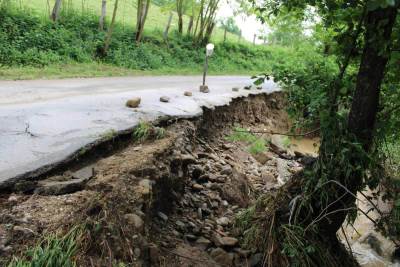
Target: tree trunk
point(375, 56)
point(180, 23)
point(208, 33)
point(103, 14)
point(56, 10)
point(379, 25)
point(110, 29)
point(190, 26)
point(224, 34)
point(168, 26)
point(143, 9)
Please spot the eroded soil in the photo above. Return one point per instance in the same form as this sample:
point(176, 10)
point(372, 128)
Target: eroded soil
point(166, 202)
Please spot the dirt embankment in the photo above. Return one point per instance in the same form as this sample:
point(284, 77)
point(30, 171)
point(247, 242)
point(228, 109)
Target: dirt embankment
point(171, 201)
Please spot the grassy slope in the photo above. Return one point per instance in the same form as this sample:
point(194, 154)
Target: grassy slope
point(126, 19)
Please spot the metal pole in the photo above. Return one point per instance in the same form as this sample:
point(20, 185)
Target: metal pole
point(205, 70)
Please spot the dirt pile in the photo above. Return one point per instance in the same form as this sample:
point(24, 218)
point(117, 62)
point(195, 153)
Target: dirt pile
point(171, 201)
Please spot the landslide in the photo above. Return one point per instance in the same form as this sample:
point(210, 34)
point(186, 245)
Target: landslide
point(162, 201)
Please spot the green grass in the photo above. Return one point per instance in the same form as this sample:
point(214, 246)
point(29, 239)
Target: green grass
point(145, 130)
point(53, 251)
point(256, 145)
point(98, 69)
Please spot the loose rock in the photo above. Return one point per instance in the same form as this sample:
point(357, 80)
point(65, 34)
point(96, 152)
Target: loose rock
point(162, 216)
point(235, 89)
point(164, 99)
point(134, 220)
point(187, 93)
point(133, 102)
point(222, 257)
point(224, 221)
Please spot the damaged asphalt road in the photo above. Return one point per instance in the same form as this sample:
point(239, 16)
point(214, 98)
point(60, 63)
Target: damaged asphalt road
point(44, 122)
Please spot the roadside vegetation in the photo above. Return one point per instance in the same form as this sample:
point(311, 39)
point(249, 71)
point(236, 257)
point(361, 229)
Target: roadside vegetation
point(34, 46)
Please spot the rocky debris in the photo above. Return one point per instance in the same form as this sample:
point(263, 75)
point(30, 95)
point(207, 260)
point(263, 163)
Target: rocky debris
point(135, 220)
point(222, 257)
point(85, 173)
point(225, 241)
point(263, 157)
point(256, 260)
point(162, 216)
point(226, 170)
point(283, 170)
point(13, 198)
point(247, 87)
point(224, 221)
point(259, 87)
point(145, 187)
point(187, 93)
point(201, 185)
point(133, 102)
point(204, 89)
point(165, 99)
point(23, 231)
point(235, 89)
point(66, 184)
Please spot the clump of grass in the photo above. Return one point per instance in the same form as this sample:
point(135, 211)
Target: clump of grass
point(256, 145)
point(53, 251)
point(145, 130)
point(242, 135)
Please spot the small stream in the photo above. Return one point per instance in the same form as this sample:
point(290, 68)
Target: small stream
point(370, 248)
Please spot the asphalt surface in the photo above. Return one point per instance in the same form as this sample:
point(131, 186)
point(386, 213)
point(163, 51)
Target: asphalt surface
point(43, 122)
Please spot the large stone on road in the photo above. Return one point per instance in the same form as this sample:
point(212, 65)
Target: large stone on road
point(133, 102)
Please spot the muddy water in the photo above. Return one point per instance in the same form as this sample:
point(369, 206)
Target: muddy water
point(305, 145)
point(370, 248)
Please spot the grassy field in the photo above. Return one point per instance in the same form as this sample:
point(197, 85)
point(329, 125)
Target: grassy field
point(126, 16)
point(99, 69)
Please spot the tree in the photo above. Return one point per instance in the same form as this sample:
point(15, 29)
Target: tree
point(107, 41)
point(56, 10)
point(304, 215)
point(165, 35)
point(142, 10)
point(286, 29)
point(103, 14)
point(181, 7)
point(206, 20)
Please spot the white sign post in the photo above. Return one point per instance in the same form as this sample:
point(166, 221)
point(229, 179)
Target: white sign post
point(209, 52)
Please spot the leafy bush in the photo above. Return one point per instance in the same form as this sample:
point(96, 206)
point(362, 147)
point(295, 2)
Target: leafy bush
point(306, 76)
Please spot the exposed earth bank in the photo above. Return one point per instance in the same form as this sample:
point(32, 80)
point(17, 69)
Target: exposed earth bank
point(169, 201)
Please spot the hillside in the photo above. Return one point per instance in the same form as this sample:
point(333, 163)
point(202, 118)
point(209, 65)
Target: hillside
point(32, 46)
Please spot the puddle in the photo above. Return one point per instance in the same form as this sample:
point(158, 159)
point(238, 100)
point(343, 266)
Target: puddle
point(304, 145)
